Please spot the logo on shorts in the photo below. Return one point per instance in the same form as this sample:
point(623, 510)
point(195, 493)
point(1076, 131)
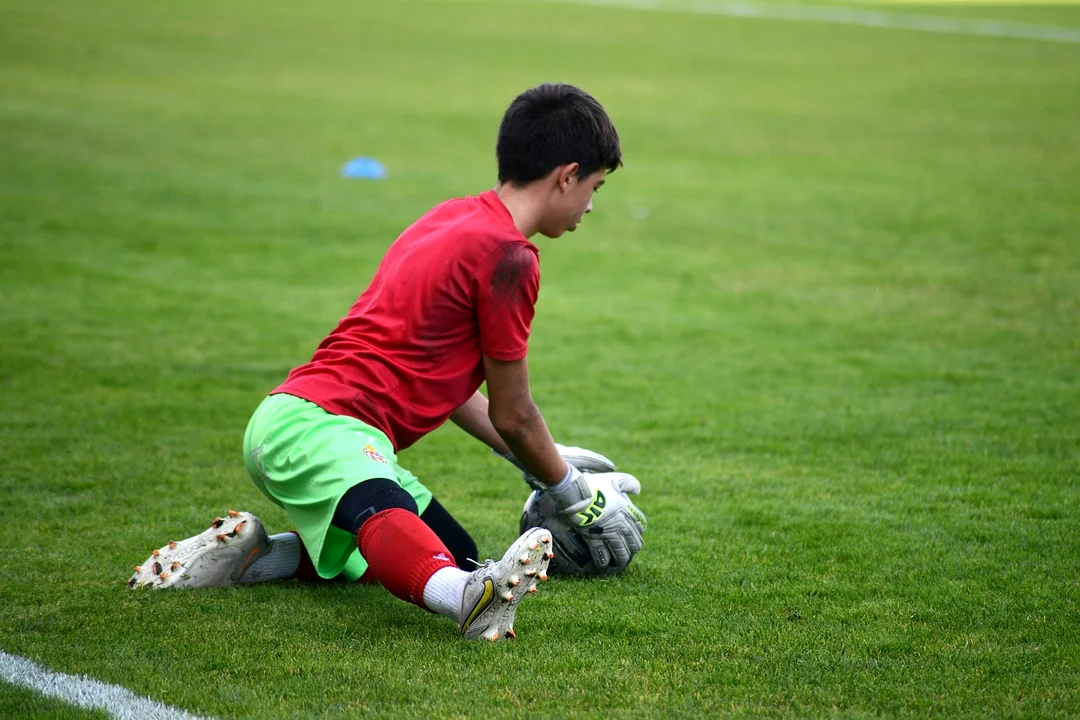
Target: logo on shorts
point(374, 454)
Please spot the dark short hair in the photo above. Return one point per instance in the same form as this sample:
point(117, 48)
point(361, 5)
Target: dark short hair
point(551, 125)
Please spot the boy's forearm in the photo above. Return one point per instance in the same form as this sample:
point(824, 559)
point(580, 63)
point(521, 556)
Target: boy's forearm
point(472, 417)
point(531, 442)
point(518, 421)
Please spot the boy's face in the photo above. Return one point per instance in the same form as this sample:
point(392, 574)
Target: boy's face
point(571, 199)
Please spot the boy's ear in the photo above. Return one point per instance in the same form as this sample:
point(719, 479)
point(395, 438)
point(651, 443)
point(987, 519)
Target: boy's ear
point(566, 174)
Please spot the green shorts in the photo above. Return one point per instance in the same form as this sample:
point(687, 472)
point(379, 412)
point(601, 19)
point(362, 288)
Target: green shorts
point(304, 459)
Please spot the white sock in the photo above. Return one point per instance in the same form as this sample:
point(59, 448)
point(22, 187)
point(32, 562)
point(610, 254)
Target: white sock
point(279, 561)
point(445, 590)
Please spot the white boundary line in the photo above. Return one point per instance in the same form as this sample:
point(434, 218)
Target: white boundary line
point(86, 693)
point(849, 16)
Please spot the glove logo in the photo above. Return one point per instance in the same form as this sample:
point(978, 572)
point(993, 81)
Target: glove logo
point(592, 513)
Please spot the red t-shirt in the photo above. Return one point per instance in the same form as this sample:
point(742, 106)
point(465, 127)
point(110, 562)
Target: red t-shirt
point(460, 283)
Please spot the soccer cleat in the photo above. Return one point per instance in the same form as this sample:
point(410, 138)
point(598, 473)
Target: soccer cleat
point(494, 590)
point(216, 557)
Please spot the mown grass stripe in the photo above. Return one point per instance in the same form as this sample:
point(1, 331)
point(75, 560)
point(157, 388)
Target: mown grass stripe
point(852, 16)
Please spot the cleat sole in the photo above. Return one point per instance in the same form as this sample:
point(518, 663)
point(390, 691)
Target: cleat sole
point(216, 557)
point(505, 589)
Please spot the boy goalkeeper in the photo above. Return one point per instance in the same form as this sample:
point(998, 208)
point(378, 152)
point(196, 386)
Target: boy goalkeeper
point(450, 306)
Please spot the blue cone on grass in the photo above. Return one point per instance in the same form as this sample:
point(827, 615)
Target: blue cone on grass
point(364, 168)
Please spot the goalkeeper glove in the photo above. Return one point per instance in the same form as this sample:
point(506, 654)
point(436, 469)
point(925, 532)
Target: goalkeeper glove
point(581, 459)
point(598, 506)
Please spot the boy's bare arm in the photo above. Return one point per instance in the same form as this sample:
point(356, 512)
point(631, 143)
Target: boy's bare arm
point(472, 417)
point(518, 421)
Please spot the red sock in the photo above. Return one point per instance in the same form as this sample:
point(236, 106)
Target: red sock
point(305, 571)
point(402, 553)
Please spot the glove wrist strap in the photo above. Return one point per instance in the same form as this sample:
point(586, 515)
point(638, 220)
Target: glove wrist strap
point(571, 491)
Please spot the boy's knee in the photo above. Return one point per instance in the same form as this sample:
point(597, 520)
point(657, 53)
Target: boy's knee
point(365, 499)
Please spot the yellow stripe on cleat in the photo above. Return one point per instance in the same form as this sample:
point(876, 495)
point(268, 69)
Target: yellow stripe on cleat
point(481, 604)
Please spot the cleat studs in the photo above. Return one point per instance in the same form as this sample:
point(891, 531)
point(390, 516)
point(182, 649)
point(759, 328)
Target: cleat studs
point(172, 544)
point(175, 565)
point(508, 596)
point(218, 522)
point(164, 576)
point(221, 538)
point(138, 568)
point(550, 555)
point(514, 581)
point(495, 636)
point(157, 568)
point(525, 559)
point(131, 582)
point(233, 513)
point(543, 577)
point(531, 572)
point(532, 590)
point(238, 526)
point(510, 633)
point(534, 546)
point(546, 539)
point(156, 553)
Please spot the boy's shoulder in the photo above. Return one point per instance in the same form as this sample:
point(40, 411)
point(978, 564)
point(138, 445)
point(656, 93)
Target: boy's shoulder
point(481, 220)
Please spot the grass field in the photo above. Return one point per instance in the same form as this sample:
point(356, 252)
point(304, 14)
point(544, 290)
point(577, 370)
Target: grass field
point(829, 313)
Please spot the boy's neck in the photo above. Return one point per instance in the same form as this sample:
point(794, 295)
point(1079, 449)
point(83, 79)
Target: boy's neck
point(525, 206)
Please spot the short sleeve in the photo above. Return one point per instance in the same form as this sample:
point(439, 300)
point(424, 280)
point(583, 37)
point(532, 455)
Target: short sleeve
point(507, 287)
